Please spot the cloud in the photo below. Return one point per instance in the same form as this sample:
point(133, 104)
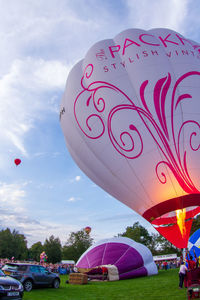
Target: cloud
point(14, 215)
point(13, 212)
point(35, 230)
point(45, 229)
point(75, 179)
point(23, 100)
point(73, 199)
point(13, 201)
point(78, 178)
point(147, 14)
point(52, 30)
point(12, 198)
point(49, 74)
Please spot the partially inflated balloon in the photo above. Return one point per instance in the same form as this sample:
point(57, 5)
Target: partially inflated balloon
point(17, 161)
point(130, 115)
point(129, 258)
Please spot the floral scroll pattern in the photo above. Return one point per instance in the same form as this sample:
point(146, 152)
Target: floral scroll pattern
point(157, 123)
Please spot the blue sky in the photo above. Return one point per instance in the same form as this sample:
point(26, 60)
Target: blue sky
point(40, 42)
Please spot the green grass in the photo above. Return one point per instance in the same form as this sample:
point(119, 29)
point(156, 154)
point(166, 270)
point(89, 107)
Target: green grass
point(161, 286)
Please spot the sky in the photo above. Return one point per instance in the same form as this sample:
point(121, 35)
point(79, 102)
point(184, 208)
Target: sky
point(47, 194)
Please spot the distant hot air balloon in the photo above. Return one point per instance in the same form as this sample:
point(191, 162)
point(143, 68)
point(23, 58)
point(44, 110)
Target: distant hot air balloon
point(17, 161)
point(43, 257)
point(87, 229)
point(131, 119)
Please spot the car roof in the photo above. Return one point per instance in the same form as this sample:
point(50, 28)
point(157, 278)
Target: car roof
point(22, 264)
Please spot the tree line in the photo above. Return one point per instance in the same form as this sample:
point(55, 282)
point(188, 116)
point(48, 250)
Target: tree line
point(14, 244)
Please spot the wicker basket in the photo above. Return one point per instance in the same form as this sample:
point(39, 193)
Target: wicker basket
point(78, 278)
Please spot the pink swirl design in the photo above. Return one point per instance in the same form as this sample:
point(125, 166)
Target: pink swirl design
point(129, 143)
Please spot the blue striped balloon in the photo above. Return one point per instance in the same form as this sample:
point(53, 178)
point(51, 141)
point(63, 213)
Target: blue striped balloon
point(194, 243)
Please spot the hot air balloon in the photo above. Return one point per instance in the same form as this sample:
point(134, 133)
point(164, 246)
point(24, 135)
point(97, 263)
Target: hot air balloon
point(123, 257)
point(130, 115)
point(17, 161)
point(194, 244)
point(43, 257)
point(87, 229)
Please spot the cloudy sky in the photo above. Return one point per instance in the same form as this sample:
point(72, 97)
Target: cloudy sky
point(40, 42)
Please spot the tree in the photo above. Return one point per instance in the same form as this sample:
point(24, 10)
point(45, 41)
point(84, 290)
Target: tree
point(6, 249)
point(76, 245)
point(154, 246)
point(195, 224)
point(138, 233)
point(13, 244)
point(53, 249)
point(165, 247)
point(35, 251)
point(156, 243)
point(20, 246)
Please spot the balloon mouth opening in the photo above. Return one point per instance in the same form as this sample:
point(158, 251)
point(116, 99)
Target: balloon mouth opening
point(188, 204)
point(173, 218)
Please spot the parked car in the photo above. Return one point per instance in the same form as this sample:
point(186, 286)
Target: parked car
point(32, 275)
point(10, 288)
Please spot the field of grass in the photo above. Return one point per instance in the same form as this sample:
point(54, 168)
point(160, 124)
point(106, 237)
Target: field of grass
point(161, 286)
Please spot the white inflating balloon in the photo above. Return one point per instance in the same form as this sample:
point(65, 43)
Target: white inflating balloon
point(130, 116)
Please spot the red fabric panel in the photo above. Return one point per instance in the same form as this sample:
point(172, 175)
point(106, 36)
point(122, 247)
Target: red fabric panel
point(173, 234)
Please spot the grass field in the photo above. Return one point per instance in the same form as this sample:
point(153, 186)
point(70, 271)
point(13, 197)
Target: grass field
point(161, 286)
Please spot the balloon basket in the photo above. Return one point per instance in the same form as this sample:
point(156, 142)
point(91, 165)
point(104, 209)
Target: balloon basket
point(78, 278)
point(193, 292)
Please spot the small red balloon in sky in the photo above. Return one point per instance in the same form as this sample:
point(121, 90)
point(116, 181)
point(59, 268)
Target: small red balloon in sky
point(17, 161)
point(87, 229)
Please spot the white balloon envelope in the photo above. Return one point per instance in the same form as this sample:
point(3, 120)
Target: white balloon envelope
point(130, 115)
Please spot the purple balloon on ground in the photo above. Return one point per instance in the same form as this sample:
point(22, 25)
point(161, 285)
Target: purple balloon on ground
point(130, 258)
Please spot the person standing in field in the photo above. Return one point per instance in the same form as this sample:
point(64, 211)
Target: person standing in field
point(191, 263)
point(182, 272)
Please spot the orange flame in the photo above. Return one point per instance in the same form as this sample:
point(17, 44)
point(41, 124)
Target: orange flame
point(180, 215)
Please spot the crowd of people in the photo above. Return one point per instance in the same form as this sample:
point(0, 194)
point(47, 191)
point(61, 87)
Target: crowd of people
point(167, 264)
point(184, 265)
point(187, 266)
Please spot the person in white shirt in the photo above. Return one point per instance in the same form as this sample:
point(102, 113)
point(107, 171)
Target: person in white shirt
point(182, 272)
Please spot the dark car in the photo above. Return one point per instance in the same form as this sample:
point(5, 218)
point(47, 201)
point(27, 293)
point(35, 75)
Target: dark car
point(10, 288)
point(32, 275)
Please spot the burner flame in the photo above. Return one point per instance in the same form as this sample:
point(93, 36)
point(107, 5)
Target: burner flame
point(180, 215)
